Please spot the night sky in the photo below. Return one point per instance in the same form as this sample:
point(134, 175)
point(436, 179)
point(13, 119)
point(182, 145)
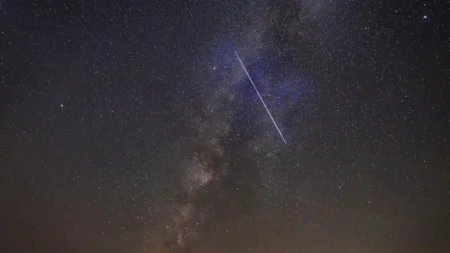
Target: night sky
point(130, 126)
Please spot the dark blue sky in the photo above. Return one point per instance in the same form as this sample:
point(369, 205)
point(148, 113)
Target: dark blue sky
point(129, 126)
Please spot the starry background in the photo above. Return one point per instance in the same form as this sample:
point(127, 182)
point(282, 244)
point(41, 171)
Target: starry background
point(129, 126)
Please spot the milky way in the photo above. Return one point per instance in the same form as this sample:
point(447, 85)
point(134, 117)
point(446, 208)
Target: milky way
point(202, 171)
point(205, 167)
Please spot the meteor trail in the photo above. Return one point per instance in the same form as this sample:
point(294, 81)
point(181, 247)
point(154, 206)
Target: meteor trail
point(259, 95)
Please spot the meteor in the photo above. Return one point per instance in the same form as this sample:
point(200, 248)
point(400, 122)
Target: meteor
point(259, 95)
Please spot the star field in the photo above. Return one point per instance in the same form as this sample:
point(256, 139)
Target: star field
point(130, 126)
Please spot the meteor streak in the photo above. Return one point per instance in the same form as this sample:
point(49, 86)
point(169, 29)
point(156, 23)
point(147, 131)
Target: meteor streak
point(259, 95)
